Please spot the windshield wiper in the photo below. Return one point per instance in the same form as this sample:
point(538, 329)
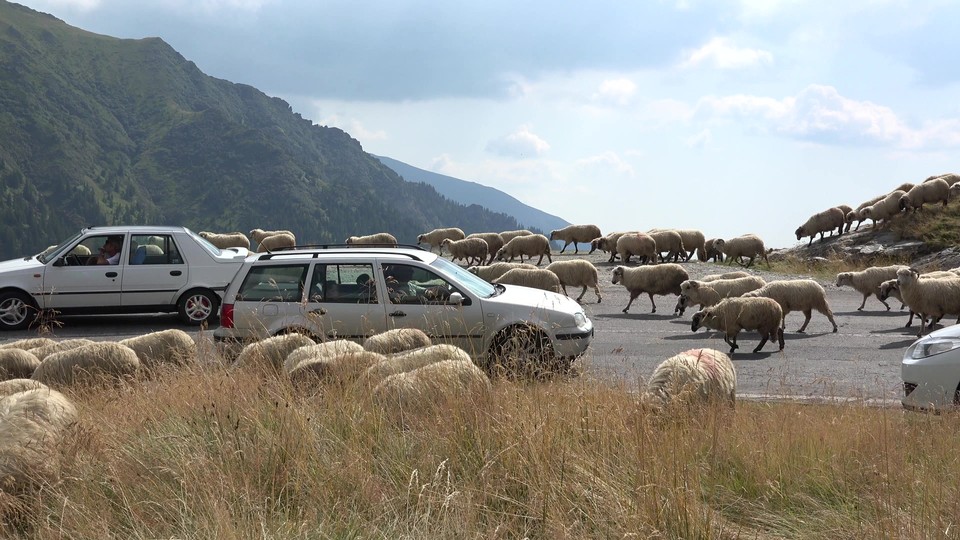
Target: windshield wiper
point(498, 289)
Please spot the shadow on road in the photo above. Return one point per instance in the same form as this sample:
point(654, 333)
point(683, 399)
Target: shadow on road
point(634, 316)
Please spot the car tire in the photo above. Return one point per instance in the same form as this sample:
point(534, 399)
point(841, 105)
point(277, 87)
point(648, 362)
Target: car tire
point(522, 352)
point(198, 306)
point(17, 310)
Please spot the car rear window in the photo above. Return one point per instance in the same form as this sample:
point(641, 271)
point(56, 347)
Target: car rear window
point(273, 283)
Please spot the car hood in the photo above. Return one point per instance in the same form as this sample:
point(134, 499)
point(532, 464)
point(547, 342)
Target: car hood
point(14, 265)
point(532, 303)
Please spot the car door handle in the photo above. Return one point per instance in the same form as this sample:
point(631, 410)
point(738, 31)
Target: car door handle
point(175, 272)
point(319, 311)
point(111, 274)
point(398, 314)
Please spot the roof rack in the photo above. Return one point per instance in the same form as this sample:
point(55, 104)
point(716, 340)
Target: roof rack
point(318, 249)
point(354, 246)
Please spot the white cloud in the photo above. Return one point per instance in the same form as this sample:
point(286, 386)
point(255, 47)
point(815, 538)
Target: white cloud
point(616, 91)
point(522, 144)
point(605, 163)
point(720, 53)
point(355, 128)
point(700, 140)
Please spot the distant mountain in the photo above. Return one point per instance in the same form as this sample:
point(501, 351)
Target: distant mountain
point(96, 130)
point(465, 192)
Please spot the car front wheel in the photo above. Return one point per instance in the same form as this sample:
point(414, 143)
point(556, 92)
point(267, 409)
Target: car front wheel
point(522, 352)
point(17, 311)
point(198, 306)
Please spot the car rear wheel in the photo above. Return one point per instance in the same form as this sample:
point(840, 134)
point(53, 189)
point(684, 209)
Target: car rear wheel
point(198, 306)
point(17, 310)
point(522, 352)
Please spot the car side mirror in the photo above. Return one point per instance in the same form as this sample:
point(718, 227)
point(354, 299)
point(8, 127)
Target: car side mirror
point(455, 299)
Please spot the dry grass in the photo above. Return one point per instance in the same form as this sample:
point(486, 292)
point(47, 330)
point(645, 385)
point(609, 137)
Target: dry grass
point(211, 453)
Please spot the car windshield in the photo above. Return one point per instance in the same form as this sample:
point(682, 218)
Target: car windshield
point(475, 284)
point(52, 253)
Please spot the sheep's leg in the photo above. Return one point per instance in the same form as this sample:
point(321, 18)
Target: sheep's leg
point(865, 296)
point(564, 248)
point(882, 300)
point(654, 310)
point(807, 313)
point(910, 321)
point(633, 296)
point(540, 260)
point(576, 248)
point(583, 292)
point(763, 341)
point(780, 337)
point(826, 311)
point(549, 258)
point(596, 289)
point(731, 343)
point(564, 287)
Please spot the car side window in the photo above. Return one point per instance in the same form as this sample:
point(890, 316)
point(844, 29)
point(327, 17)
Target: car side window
point(343, 284)
point(153, 249)
point(407, 284)
point(273, 283)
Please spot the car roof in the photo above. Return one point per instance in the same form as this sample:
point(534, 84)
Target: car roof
point(119, 229)
point(400, 254)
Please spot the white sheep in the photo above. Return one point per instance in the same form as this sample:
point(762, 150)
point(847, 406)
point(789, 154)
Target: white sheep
point(857, 214)
point(342, 368)
point(312, 350)
point(747, 245)
point(410, 360)
point(661, 279)
point(14, 386)
point(932, 298)
point(87, 364)
point(732, 315)
point(693, 242)
point(397, 340)
point(726, 275)
point(495, 270)
point(803, 295)
point(640, 244)
point(885, 208)
point(271, 352)
point(608, 243)
point(530, 245)
point(46, 350)
point(692, 378)
point(471, 250)
point(510, 235)
point(868, 281)
point(936, 190)
point(259, 234)
point(577, 273)
point(536, 279)
point(277, 242)
point(712, 250)
point(432, 388)
point(669, 242)
point(708, 293)
point(575, 234)
point(955, 191)
point(822, 222)
point(378, 240)
point(890, 288)
point(28, 343)
point(950, 178)
point(494, 243)
point(17, 364)
point(165, 347)
point(226, 240)
point(436, 236)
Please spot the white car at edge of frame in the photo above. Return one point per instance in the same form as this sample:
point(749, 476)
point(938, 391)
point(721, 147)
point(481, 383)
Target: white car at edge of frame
point(931, 371)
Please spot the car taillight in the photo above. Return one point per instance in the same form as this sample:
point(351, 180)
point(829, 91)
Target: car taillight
point(226, 316)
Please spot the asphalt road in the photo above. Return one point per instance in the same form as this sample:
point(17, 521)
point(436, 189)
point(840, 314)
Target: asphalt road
point(860, 361)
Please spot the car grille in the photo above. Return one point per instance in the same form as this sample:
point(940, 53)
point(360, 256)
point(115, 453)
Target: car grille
point(908, 387)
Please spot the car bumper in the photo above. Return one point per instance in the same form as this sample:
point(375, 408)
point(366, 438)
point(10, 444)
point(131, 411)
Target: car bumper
point(573, 343)
point(930, 383)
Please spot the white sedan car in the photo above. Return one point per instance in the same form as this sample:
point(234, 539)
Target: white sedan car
point(931, 371)
point(119, 270)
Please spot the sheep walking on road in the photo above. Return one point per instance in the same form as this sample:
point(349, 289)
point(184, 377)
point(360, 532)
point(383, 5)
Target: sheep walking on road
point(661, 279)
point(530, 245)
point(868, 281)
point(803, 295)
point(575, 234)
point(732, 315)
point(577, 273)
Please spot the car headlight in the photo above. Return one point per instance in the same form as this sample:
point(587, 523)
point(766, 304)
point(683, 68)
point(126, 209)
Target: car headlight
point(931, 347)
point(579, 318)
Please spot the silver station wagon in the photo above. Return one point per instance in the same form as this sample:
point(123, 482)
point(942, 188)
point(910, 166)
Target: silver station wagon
point(135, 269)
point(344, 293)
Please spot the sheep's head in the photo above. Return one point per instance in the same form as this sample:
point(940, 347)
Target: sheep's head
point(595, 243)
point(688, 285)
point(419, 239)
point(844, 278)
point(888, 287)
point(617, 275)
point(501, 255)
point(350, 240)
point(553, 234)
point(445, 242)
point(474, 270)
point(907, 275)
point(697, 320)
point(799, 232)
point(904, 201)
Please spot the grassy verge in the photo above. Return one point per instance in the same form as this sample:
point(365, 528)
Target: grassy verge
point(211, 453)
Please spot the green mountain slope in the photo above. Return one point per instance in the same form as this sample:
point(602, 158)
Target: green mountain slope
point(96, 130)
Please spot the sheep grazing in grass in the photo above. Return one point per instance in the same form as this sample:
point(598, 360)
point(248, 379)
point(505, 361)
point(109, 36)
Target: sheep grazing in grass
point(410, 360)
point(495, 270)
point(397, 340)
point(696, 377)
point(660, 279)
point(669, 242)
point(536, 279)
point(317, 350)
point(342, 368)
point(575, 234)
point(470, 250)
point(822, 222)
point(494, 243)
point(803, 295)
point(732, 315)
point(377, 240)
point(46, 350)
point(712, 250)
point(17, 364)
point(432, 388)
point(747, 245)
point(13, 386)
point(577, 273)
point(708, 293)
point(28, 344)
point(277, 242)
point(640, 244)
point(435, 237)
point(608, 244)
point(104, 360)
point(165, 347)
point(530, 245)
point(868, 281)
point(33, 424)
point(885, 208)
point(510, 235)
point(726, 275)
point(932, 298)
point(271, 352)
point(934, 191)
point(226, 240)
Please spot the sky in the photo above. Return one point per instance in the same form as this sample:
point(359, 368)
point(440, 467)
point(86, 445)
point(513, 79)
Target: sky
point(731, 117)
